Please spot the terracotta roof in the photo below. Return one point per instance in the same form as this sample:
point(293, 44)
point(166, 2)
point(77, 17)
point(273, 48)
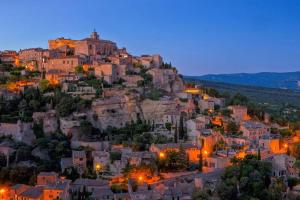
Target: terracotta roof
point(33, 192)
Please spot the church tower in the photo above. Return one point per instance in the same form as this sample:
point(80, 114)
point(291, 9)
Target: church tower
point(95, 35)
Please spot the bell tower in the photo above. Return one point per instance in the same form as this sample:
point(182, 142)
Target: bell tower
point(95, 35)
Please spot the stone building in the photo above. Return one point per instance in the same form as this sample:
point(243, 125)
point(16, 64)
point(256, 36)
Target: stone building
point(45, 178)
point(108, 71)
point(191, 150)
point(79, 160)
point(150, 60)
point(65, 64)
point(92, 46)
point(239, 113)
point(254, 130)
point(33, 58)
point(8, 56)
point(19, 131)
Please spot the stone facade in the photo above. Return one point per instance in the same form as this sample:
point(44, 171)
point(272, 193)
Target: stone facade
point(65, 64)
point(106, 70)
point(34, 58)
point(92, 46)
point(21, 132)
point(166, 79)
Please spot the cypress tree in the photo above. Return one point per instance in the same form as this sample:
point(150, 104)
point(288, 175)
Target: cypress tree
point(181, 128)
point(176, 134)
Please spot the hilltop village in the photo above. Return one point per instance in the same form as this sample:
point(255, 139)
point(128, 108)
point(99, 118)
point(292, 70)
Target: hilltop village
point(85, 119)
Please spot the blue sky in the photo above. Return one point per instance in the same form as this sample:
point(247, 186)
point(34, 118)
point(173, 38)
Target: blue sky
point(197, 36)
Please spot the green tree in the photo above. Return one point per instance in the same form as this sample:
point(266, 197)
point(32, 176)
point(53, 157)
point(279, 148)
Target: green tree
point(71, 173)
point(174, 161)
point(113, 156)
point(201, 195)
point(232, 127)
point(65, 106)
point(247, 179)
point(181, 127)
point(25, 112)
point(79, 69)
point(142, 142)
point(44, 85)
point(258, 154)
point(176, 134)
point(285, 132)
point(168, 126)
point(85, 129)
point(292, 181)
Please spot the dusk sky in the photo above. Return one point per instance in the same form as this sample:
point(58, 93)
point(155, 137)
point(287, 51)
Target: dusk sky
point(198, 37)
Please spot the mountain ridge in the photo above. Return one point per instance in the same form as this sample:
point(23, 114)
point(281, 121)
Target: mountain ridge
point(283, 80)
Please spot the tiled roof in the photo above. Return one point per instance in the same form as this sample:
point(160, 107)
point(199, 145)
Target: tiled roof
point(33, 192)
point(90, 182)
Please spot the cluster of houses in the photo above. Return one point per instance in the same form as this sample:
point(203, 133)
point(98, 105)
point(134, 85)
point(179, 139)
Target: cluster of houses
point(207, 130)
point(252, 137)
point(99, 57)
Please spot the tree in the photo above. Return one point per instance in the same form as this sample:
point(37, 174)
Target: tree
point(292, 181)
point(232, 127)
point(141, 142)
point(25, 112)
point(176, 134)
point(285, 132)
point(2, 160)
point(239, 99)
point(85, 129)
point(181, 127)
point(44, 85)
point(21, 175)
point(201, 195)
point(79, 69)
point(249, 178)
point(174, 160)
point(168, 126)
point(113, 156)
point(226, 112)
point(71, 173)
point(65, 106)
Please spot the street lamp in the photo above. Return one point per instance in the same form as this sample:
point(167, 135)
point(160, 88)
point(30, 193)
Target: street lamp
point(2, 191)
point(140, 178)
point(161, 155)
point(98, 168)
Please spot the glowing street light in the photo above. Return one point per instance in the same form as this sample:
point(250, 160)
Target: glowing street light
point(140, 178)
point(2, 191)
point(285, 146)
point(161, 155)
point(98, 167)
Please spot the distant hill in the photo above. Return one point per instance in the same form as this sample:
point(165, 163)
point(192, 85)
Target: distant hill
point(257, 94)
point(286, 80)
